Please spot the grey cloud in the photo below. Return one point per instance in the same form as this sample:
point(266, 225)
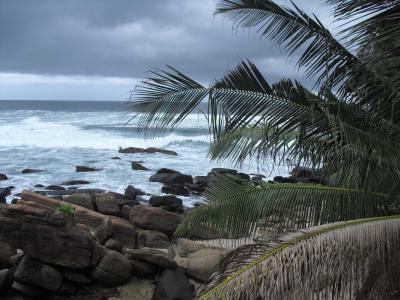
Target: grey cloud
point(125, 38)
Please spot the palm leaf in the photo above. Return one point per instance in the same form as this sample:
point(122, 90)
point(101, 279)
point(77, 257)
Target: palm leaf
point(335, 261)
point(238, 209)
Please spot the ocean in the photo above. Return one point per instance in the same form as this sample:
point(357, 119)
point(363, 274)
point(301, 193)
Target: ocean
point(55, 136)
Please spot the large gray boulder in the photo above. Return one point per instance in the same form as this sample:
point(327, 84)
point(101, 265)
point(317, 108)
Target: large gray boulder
point(204, 262)
point(82, 199)
point(167, 202)
point(37, 274)
point(113, 269)
point(151, 239)
point(107, 204)
point(154, 218)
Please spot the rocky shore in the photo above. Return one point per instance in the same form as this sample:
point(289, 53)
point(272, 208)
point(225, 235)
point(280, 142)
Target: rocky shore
point(59, 242)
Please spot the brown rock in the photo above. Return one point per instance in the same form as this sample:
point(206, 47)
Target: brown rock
point(113, 269)
point(81, 199)
point(6, 280)
point(37, 274)
point(204, 262)
point(104, 231)
point(151, 239)
point(45, 236)
point(113, 245)
point(153, 256)
point(154, 218)
point(143, 269)
point(107, 204)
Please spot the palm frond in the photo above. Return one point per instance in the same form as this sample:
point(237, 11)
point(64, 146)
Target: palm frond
point(238, 209)
point(336, 261)
point(294, 30)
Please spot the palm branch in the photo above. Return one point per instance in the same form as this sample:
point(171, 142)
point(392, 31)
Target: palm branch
point(344, 260)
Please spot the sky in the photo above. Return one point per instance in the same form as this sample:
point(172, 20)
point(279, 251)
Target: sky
point(100, 49)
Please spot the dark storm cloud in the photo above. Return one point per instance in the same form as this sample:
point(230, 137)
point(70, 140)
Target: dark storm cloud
point(124, 38)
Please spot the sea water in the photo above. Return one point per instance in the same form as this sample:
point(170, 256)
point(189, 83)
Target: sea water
point(56, 136)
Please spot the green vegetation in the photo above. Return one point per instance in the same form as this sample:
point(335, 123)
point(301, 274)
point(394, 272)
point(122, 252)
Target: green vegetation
point(66, 210)
point(346, 127)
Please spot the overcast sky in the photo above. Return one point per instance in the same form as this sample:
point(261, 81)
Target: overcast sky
point(99, 49)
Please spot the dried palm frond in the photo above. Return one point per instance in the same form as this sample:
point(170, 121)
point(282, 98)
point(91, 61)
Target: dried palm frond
point(335, 261)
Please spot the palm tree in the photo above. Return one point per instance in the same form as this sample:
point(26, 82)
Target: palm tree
point(347, 127)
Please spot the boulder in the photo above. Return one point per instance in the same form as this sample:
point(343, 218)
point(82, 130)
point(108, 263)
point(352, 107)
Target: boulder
point(39, 186)
point(168, 202)
point(138, 166)
point(175, 190)
point(151, 239)
point(4, 192)
point(143, 269)
point(223, 171)
point(3, 177)
point(37, 274)
point(132, 193)
point(124, 200)
point(6, 280)
point(55, 188)
point(45, 235)
point(173, 285)
point(104, 231)
point(152, 256)
point(6, 252)
point(85, 169)
point(75, 182)
point(115, 157)
point(243, 176)
point(158, 150)
point(107, 204)
point(196, 188)
point(154, 218)
point(76, 276)
point(30, 171)
point(113, 269)
point(170, 177)
point(113, 245)
point(81, 199)
point(202, 180)
point(131, 150)
point(26, 290)
point(204, 262)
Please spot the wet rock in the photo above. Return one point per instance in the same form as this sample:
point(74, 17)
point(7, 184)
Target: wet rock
point(153, 256)
point(131, 150)
point(124, 200)
point(202, 180)
point(154, 218)
point(168, 202)
point(107, 204)
point(113, 269)
point(170, 177)
point(6, 280)
point(132, 193)
point(75, 182)
point(197, 188)
point(223, 171)
point(175, 190)
point(115, 157)
point(151, 239)
point(243, 176)
point(4, 192)
point(172, 285)
point(81, 199)
point(55, 188)
point(3, 177)
point(37, 274)
point(158, 150)
point(85, 169)
point(30, 171)
point(39, 186)
point(138, 166)
point(73, 191)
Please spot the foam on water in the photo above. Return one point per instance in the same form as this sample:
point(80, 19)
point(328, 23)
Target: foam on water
point(57, 141)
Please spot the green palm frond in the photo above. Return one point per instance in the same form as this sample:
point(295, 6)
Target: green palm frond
point(292, 29)
point(238, 209)
point(336, 261)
